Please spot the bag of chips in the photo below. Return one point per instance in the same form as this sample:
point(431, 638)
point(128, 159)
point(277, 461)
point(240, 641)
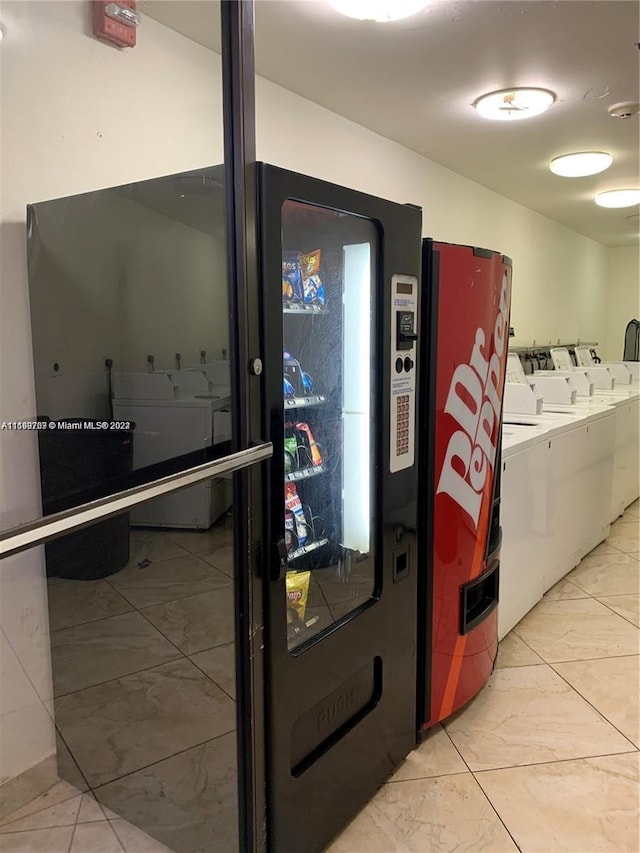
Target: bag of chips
point(290, 538)
point(290, 453)
point(291, 278)
point(312, 287)
point(310, 263)
point(298, 525)
point(297, 595)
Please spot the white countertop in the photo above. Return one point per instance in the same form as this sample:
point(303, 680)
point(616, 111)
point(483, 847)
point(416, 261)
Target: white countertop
point(522, 431)
point(620, 395)
point(214, 401)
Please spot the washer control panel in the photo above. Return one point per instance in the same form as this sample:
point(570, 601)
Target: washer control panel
point(402, 408)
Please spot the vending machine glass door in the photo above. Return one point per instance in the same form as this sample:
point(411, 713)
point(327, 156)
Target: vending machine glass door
point(328, 320)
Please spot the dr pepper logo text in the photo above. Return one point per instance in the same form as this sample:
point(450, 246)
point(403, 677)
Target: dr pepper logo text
point(475, 403)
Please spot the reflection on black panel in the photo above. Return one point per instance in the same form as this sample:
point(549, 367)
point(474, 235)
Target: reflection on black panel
point(129, 312)
point(143, 678)
point(130, 324)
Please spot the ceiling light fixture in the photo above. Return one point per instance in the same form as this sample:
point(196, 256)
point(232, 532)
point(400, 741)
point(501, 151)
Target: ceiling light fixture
point(382, 11)
point(514, 104)
point(618, 198)
point(580, 164)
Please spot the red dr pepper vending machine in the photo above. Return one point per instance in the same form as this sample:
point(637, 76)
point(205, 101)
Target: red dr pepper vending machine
point(465, 309)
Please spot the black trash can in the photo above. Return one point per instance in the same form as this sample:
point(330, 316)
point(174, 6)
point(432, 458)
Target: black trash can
point(79, 465)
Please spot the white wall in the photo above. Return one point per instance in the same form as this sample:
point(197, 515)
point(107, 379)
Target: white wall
point(622, 293)
point(557, 274)
point(78, 115)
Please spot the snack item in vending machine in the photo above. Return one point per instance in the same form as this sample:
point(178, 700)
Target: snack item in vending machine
point(292, 373)
point(287, 289)
point(290, 538)
point(296, 381)
point(297, 595)
point(289, 390)
point(307, 383)
point(309, 442)
point(291, 277)
point(312, 287)
point(293, 504)
point(290, 453)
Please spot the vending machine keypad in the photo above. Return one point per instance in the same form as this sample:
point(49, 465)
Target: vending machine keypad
point(402, 421)
point(404, 307)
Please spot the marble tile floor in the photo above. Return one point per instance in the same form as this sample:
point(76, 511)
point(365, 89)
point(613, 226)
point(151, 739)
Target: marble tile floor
point(170, 601)
point(144, 705)
point(546, 758)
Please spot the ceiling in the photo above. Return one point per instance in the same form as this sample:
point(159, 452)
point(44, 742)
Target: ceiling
point(414, 81)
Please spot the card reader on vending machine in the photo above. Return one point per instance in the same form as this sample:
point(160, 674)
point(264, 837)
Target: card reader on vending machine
point(404, 305)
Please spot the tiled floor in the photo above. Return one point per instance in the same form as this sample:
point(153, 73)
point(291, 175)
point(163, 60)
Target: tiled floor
point(544, 759)
point(144, 685)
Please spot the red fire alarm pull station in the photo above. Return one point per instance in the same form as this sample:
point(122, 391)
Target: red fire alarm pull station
point(116, 22)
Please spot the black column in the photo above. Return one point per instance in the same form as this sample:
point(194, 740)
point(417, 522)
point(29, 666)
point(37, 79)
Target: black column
point(242, 265)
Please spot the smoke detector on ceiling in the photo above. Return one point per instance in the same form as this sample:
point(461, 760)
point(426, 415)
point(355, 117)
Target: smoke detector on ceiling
point(626, 109)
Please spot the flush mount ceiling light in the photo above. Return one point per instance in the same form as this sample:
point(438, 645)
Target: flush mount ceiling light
point(618, 198)
point(379, 10)
point(581, 164)
point(514, 104)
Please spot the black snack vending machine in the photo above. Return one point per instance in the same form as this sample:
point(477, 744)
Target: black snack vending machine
point(340, 289)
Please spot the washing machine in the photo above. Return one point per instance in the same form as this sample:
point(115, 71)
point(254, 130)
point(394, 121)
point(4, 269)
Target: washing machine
point(580, 441)
point(175, 412)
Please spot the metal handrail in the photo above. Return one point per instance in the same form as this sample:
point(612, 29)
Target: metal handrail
point(23, 536)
